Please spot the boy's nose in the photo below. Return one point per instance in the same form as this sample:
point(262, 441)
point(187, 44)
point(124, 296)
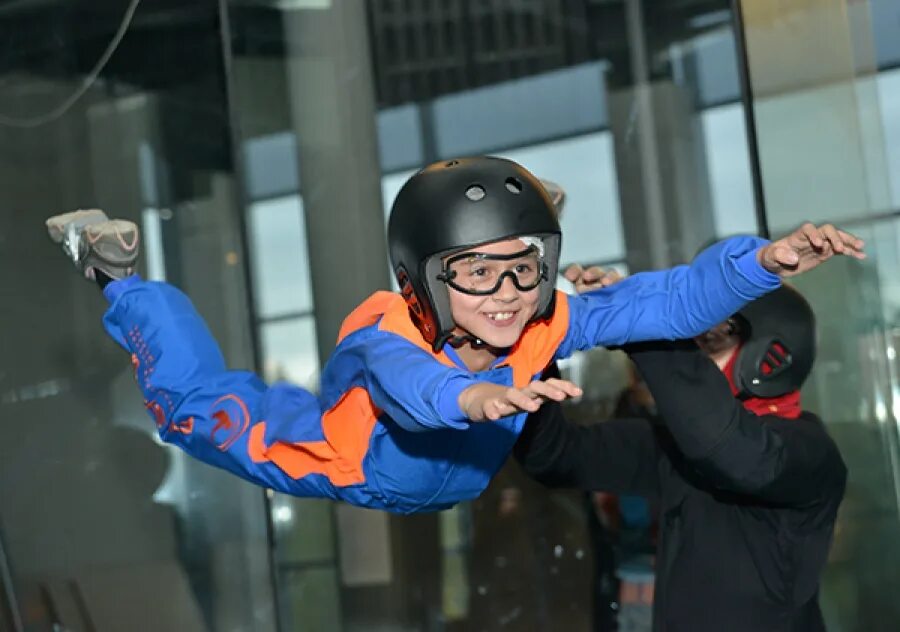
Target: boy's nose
point(507, 290)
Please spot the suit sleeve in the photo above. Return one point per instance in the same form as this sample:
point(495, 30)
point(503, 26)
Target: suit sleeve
point(408, 384)
point(784, 461)
point(670, 304)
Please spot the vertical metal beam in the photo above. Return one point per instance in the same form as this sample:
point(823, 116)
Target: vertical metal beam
point(9, 593)
point(235, 145)
point(743, 63)
point(648, 146)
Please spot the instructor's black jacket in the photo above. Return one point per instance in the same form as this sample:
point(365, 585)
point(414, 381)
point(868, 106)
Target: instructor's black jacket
point(747, 503)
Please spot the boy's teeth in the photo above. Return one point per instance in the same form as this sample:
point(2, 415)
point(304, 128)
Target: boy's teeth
point(501, 316)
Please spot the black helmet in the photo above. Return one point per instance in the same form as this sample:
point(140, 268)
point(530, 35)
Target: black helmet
point(455, 205)
point(779, 348)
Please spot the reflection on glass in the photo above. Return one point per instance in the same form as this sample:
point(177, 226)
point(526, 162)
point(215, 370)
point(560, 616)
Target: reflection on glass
point(280, 264)
point(585, 167)
point(854, 387)
point(152, 243)
point(310, 586)
point(390, 187)
point(889, 104)
point(102, 528)
point(551, 85)
point(826, 117)
point(727, 156)
point(290, 352)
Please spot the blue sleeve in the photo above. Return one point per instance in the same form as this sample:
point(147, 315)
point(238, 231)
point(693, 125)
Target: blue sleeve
point(408, 384)
point(197, 403)
point(682, 302)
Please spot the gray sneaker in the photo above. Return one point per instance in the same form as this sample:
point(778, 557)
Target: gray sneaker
point(94, 242)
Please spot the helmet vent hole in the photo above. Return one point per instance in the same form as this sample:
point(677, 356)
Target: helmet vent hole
point(451, 163)
point(475, 192)
point(513, 186)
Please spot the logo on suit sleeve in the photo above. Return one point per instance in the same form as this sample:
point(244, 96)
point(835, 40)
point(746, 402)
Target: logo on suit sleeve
point(231, 419)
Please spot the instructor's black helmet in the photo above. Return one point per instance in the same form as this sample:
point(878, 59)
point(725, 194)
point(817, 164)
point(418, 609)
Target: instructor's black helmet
point(779, 348)
point(455, 205)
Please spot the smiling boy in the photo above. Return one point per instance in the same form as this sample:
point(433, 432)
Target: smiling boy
point(475, 247)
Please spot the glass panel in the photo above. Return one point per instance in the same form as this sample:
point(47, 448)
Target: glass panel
point(304, 526)
point(593, 95)
point(885, 19)
point(855, 388)
point(816, 104)
point(390, 186)
point(889, 104)
point(585, 167)
point(101, 527)
point(725, 137)
point(476, 121)
point(605, 102)
point(289, 351)
point(827, 129)
point(310, 586)
point(280, 264)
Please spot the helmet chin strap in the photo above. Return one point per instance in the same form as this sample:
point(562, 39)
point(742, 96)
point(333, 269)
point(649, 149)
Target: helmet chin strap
point(457, 341)
point(477, 343)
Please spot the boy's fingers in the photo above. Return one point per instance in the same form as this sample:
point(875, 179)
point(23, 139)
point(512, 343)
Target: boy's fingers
point(495, 409)
point(542, 389)
point(569, 388)
point(554, 388)
point(530, 398)
point(521, 400)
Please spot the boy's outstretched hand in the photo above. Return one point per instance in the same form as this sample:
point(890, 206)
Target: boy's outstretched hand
point(807, 247)
point(488, 402)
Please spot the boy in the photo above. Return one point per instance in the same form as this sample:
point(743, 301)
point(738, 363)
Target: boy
point(475, 247)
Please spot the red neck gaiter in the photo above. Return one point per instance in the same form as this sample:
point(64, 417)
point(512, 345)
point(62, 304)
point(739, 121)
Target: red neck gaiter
point(787, 405)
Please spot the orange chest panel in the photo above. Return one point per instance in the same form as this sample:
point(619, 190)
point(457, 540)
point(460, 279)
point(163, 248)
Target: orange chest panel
point(533, 352)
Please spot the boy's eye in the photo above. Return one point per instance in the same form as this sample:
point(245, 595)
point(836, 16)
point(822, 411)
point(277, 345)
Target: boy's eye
point(523, 268)
point(478, 272)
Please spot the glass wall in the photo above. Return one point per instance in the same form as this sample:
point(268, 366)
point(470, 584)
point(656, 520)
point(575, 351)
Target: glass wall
point(120, 106)
point(635, 110)
point(825, 99)
point(260, 144)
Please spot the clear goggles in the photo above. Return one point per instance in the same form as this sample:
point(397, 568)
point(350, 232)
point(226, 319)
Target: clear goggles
point(482, 274)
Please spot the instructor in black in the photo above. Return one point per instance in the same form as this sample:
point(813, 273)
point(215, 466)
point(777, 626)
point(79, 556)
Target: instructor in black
point(747, 482)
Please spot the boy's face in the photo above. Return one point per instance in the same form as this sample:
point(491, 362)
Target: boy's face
point(499, 318)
